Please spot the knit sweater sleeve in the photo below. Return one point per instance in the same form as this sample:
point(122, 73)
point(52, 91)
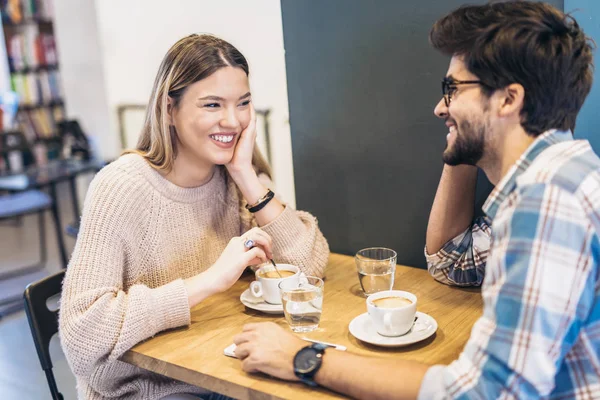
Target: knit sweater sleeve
point(298, 240)
point(100, 318)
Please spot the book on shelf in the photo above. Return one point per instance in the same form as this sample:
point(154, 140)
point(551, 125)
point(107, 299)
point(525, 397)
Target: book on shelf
point(37, 88)
point(33, 64)
point(26, 126)
point(19, 11)
point(31, 49)
point(40, 123)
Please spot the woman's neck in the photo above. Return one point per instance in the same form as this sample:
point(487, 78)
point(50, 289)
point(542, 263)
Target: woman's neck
point(188, 174)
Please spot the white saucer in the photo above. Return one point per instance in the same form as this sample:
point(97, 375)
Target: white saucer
point(362, 328)
point(258, 304)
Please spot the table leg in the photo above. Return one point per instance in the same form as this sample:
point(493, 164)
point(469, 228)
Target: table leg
point(58, 225)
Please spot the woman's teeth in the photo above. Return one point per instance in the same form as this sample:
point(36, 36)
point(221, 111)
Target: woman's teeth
point(222, 138)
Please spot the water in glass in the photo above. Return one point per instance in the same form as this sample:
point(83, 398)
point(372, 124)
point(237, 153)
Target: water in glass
point(302, 305)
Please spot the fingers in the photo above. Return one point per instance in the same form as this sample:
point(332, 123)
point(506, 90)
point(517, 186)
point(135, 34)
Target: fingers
point(259, 241)
point(260, 238)
point(256, 262)
point(251, 128)
point(240, 338)
point(251, 326)
point(261, 233)
point(249, 132)
point(243, 350)
point(260, 349)
point(248, 366)
point(244, 353)
point(250, 331)
point(256, 328)
point(244, 337)
point(255, 255)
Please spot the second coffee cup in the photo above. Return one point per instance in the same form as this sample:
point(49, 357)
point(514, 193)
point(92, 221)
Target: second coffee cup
point(392, 311)
point(267, 281)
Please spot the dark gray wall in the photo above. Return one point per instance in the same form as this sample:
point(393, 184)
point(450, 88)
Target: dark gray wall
point(362, 84)
point(587, 13)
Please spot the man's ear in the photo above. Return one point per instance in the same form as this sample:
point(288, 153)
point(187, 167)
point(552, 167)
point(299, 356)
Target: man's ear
point(511, 100)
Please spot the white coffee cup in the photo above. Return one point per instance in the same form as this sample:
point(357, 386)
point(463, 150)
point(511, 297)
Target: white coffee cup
point(392, 311)
point(267, 281)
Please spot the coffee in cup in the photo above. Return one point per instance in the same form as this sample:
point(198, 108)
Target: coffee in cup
point(266, 285)
point(392, 302)
point(275, 275)
point(392, 312)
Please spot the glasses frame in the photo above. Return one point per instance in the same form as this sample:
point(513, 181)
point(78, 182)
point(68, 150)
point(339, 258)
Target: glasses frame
point(448, 84)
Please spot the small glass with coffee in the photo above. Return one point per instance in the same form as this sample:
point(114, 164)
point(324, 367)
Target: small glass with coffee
point(392, 311)
point(302, 302)
point(376, 267)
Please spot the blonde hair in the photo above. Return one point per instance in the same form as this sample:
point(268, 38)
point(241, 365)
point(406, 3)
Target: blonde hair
point(190, 60)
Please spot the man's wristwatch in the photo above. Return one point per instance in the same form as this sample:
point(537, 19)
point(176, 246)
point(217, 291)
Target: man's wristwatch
point(308, 361)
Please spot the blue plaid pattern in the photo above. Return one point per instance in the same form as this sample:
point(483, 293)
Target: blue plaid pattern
point(539, 336)
point(461, 261)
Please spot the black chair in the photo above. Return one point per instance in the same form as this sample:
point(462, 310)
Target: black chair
point(74, 138)
point(44, 322)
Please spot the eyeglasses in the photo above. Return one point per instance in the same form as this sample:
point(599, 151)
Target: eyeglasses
point(449, 87)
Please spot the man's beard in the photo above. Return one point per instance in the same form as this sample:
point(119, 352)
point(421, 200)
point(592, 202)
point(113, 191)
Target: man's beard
point(469, 145)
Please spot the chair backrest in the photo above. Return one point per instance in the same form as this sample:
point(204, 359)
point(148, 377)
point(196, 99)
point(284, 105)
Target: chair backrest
point(44, 322)
point(73, 136)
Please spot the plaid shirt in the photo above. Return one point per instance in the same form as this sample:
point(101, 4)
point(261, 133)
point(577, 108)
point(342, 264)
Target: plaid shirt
point(539, 336)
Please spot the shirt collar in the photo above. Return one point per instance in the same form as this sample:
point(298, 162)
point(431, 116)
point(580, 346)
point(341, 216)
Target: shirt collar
point(507, 183)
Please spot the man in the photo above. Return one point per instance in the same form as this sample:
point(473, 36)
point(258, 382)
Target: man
point(519, 74)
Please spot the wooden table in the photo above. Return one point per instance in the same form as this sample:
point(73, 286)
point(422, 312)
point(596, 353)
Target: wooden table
point(195, 354)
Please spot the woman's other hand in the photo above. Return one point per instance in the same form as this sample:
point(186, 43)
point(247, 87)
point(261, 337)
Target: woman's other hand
point(241, 162)
point(229, 266)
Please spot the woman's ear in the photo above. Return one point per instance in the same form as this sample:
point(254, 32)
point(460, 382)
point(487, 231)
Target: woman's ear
point(170, 106)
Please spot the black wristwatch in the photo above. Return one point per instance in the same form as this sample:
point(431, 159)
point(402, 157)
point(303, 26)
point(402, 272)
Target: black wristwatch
point(308, 361)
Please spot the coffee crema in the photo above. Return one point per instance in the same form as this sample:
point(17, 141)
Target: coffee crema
point(392, 302)
point(274, 275)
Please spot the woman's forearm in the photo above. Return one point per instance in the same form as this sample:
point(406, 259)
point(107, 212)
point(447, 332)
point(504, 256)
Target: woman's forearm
point(252, 190)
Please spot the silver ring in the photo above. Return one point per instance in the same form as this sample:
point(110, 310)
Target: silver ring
point(249, 244)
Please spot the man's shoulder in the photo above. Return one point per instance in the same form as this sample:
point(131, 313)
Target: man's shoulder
point(570, 166)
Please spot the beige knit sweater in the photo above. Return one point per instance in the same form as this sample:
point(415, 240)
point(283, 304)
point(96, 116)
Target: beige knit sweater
point(140, 237)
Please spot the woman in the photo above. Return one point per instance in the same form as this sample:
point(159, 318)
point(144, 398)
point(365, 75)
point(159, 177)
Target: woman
point(171, 223)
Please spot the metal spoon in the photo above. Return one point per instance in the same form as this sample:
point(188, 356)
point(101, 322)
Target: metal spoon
point(275, 265)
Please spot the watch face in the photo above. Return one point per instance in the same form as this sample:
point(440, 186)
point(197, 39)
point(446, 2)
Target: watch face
point(307, 360)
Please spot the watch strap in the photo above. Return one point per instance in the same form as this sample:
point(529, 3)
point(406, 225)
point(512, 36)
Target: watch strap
point(308, 377)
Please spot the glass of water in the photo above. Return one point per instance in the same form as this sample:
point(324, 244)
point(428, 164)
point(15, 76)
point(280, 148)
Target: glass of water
point(302, 302)
point(376, 268)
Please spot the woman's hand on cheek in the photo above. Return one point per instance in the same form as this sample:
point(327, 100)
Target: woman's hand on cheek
point(241, 163)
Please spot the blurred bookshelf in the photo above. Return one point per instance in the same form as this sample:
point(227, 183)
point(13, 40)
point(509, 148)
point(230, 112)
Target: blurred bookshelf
point(31, 53)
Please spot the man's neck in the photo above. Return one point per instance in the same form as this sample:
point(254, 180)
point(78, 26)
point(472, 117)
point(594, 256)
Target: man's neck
point(507, 150)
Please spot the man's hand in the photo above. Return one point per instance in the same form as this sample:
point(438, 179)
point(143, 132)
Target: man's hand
point(267, 347)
